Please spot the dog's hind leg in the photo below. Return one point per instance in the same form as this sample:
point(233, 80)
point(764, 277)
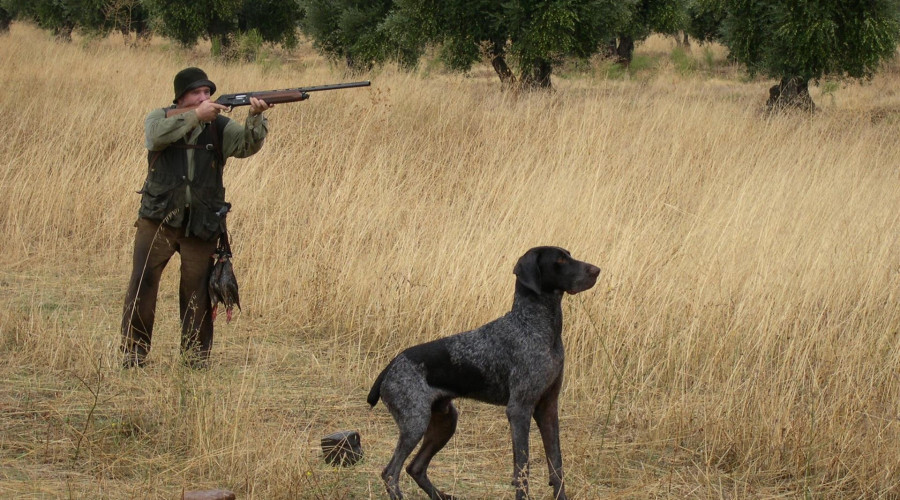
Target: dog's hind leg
point(412, 422)
point(440, 429)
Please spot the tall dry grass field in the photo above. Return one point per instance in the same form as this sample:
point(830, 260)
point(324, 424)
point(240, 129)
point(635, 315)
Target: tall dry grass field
point(742, 341)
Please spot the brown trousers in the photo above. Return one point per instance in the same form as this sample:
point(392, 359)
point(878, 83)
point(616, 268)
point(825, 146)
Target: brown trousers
point(154, 245)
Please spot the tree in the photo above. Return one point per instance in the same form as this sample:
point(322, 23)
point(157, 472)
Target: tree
point(534, 34)
point(543, 34)
point(275, 20)
point(129, 17)
point(92, 17)
point(57, 16)
point(646, 17)
point(463, 31)
point(705, 19)
point(223, 21)
point(349, 30)
point(188, 22)
point(798, 41)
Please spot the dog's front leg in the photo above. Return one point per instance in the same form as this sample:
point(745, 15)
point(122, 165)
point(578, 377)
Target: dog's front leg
point(547, 417)
point(519, 424)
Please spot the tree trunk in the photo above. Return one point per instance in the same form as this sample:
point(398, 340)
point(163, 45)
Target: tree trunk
point(64, 33)
point(498, 61)
point(790, 93)
point(502, 69)
point(5, 20)
point(538, 76)
point(609, 49)
point(683, 40)
point(625, 50)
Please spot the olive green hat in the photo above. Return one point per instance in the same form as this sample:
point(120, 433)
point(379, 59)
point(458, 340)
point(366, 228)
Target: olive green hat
point(189, 79)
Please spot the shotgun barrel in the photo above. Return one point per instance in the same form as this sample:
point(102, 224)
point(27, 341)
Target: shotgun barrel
point(283, 95)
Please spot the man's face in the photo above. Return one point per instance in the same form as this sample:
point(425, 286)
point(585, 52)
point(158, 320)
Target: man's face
point(194, 97)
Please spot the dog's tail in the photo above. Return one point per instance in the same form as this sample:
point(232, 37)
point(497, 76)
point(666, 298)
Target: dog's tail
point(375, 392)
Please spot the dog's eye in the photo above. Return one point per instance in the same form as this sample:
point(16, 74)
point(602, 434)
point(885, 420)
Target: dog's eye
point(561, 260)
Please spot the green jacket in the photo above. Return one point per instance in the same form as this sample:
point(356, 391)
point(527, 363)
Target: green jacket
point(185, 163)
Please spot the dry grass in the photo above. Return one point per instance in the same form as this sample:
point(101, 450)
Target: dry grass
point(742, 341)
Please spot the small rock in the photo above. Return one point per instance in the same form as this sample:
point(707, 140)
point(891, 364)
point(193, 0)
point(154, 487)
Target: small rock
point(342, 448)
point(208, 495)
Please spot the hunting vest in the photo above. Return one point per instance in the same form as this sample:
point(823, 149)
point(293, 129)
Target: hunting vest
point(195, 200)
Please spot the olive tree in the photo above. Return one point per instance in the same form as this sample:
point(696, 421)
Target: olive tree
point(56, 16)
point(348, 30)
point(523, 39)
point(188, 22)
point(531, 36)
point(705, 19)
point(91, 17)
point(799, 41)
point(275, 20)
point(643, 18)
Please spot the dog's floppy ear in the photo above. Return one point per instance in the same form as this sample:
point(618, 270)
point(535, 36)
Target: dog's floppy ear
point(528, 272)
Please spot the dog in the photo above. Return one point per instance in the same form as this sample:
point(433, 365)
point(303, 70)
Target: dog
point(514, 361)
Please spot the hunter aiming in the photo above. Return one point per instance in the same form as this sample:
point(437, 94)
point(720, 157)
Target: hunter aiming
point(183, 210)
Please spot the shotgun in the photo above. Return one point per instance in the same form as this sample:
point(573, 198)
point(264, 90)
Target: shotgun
point(272, 96)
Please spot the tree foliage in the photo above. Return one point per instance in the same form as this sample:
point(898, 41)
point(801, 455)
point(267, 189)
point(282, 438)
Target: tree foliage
point(348, 30)
point(645, 17)
point(223, 21)
point(657, 16)
point(811, 39)
point(799, 41)
point(57, 16)
point(705, 18)
point(129, 17)
point(272, 21)
point(188, 22)
point(63, 17)
point(275, 20)
point(534, 34)
point(458, 28)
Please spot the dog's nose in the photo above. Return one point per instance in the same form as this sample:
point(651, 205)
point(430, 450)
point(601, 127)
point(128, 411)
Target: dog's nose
point(593, 271)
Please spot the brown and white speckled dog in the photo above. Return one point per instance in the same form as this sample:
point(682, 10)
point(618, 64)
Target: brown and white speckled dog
point(514, 361)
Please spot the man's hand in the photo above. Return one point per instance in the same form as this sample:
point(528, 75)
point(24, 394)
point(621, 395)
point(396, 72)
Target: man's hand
point(207, 111)
point(257, 106)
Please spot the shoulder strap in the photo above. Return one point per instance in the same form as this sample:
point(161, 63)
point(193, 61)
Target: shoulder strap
point(217, 133)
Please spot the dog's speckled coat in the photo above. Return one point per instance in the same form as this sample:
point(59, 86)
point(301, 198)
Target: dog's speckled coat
point(515, 361)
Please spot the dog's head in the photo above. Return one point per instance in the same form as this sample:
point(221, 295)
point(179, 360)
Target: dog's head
point(552, 269)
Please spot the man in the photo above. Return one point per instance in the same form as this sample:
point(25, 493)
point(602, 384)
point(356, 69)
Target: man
point(183, 209)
